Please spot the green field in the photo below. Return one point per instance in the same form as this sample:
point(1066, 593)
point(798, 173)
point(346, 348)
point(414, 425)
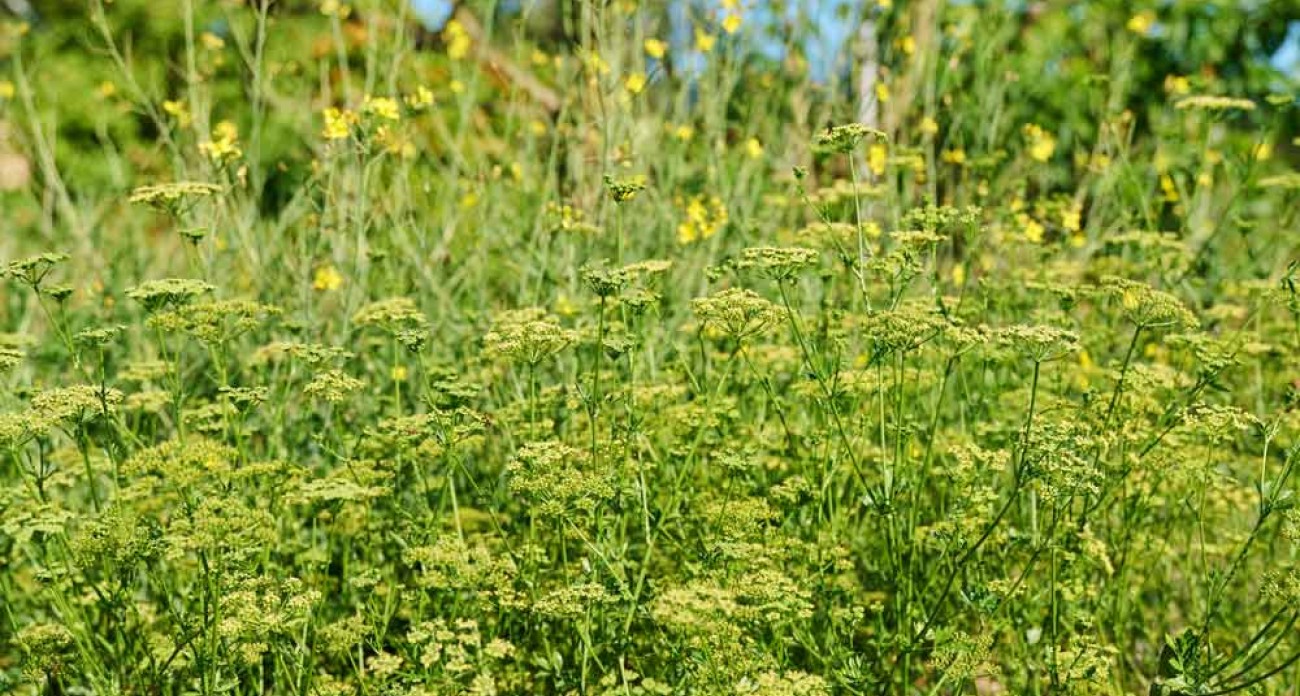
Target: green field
point(343, 357)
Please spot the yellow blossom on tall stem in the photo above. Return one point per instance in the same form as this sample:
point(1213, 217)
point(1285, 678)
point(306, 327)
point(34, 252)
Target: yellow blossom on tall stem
point(177, 110)
point(704, 41)
point(703, 218)
point(731, 23)
point(1142, 22)
point(338, 123)
point(1042, 145)
point(457, 40)
point(655, 48)
point(1072, 218)
point(877, 158)
point(224, 145)
point(327, 278)
point(382, 107)
point(635, 83)
point(421, 98)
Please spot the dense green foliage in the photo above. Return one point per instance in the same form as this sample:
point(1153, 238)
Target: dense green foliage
point(341, 358)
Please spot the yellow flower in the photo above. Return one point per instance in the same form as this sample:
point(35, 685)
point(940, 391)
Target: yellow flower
point(539, 57)
point(907, 45)
point(1072, 218)
point(398, 373)
point(456, 86)
point(684, 132)
point(959, 274)
point(731, 23)
point(457, 40)
point(1168, 188)
point(754, 148)
point(224, 145)
point(1041, 143)
point(1142, 22)
point(177, 110)
point(1033, 229)
point(1263, 151)
point(106, 89)
point(954, 156)
point(383, 107)
point(327, 278)
point(6, 89)
point(929, 126)
point(882, 92)
point(1042, 148)
point(1177, 85)
point(704, 41)
point(338, 123)
point(655, 48)
point(877, 158)
point(703, 218)
point(635, 83)
point(421, 98)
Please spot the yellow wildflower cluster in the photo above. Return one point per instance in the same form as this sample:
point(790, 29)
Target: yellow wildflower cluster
point(1042, 144)
point(704, 41)
point(327, 277)
point(224, 145)
point(635, 82)
point(704, 216)
point(421, 98)
point(339, 123)
point(655, 48)
point(954, 156)
point(1177, 85)
point(384, 108)
point(457, 40)
point(1142, 23)
point(731, 17)
point(178, 111)
point(877, 158)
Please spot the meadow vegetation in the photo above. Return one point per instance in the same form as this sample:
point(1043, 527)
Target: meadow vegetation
point(344, 358)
